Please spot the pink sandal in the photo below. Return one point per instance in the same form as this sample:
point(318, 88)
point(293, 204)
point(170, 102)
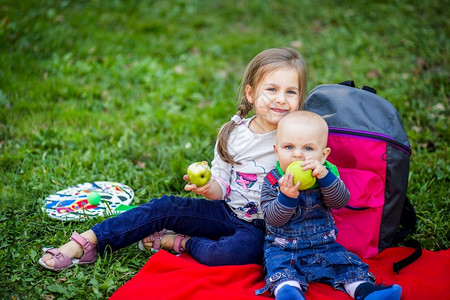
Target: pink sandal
point(156, 239)
point(62, 261)
point(177, 243)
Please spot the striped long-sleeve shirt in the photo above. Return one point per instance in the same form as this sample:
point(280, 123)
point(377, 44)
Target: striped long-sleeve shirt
point(279, 208)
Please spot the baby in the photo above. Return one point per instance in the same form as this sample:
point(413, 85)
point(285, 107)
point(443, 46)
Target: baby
point(300, 243)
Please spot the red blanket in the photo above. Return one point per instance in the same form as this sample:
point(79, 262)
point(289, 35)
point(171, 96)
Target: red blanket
point(166, 276)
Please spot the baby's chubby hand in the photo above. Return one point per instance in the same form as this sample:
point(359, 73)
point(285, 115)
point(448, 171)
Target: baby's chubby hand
point(318, 170)
point(287, 187)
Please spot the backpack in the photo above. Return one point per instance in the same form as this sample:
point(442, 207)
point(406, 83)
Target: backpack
point(370, 148)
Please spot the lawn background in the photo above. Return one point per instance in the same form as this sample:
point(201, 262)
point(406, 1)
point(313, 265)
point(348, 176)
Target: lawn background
point(133, 91)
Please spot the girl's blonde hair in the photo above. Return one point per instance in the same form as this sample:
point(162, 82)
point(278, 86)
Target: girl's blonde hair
point(263, 63)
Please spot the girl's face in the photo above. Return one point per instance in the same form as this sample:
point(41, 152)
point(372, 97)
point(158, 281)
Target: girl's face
point(276, 94)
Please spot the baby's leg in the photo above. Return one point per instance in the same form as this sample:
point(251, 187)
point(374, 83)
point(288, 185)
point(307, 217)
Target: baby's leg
point(286, 277)
point(289, 290)
point(363, 290)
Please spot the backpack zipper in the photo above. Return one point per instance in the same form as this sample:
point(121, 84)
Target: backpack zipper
point(372, 135)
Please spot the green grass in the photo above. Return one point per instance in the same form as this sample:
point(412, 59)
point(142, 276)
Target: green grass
point(133, 91)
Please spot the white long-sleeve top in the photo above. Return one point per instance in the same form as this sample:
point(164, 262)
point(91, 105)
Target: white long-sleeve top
point(241, 184)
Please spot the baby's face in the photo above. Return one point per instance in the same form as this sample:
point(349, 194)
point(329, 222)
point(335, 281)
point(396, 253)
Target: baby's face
point(298, 141)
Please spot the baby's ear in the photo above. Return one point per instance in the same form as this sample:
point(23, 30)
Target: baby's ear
point(325, 154)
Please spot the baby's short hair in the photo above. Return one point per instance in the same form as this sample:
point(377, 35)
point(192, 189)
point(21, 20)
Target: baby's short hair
point(306, 118)
point(305, 115)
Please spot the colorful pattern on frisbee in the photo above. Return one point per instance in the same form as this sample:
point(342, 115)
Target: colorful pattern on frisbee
point(72, 204)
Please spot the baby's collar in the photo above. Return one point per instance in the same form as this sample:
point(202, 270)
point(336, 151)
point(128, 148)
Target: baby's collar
point(279, 169)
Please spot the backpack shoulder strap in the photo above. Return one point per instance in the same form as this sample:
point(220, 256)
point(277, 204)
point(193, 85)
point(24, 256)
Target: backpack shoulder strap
point(408, 222)
point(397, 266)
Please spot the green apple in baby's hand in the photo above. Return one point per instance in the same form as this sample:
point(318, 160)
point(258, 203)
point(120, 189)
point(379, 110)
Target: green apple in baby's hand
point(305, 177)
point(199, 173)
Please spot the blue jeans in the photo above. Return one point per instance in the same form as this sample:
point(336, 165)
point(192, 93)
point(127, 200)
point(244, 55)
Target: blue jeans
point(218, 237)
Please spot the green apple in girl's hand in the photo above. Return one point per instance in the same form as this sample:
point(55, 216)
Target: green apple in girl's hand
point(199, 173)
point(305, 177)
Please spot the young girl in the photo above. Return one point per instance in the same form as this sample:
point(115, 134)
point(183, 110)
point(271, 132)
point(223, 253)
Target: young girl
point(231, 229)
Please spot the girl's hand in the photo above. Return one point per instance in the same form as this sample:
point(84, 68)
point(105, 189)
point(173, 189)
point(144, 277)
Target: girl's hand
point(287, 187)
point(193, 187)
point(318, 170)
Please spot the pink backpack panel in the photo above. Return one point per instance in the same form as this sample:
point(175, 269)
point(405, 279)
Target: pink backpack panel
point(365, 178)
